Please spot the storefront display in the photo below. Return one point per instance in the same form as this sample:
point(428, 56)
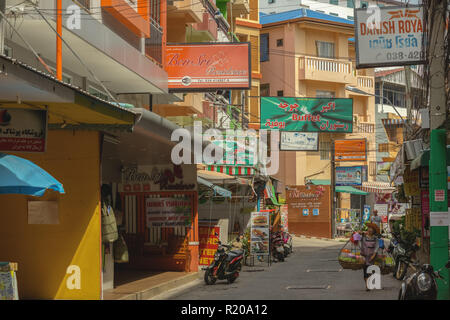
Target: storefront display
point(259, 234)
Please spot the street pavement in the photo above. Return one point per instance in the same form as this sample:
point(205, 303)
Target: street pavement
point(312, 271)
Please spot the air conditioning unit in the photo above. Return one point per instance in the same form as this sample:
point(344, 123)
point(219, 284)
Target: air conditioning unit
point(413, 148)
point(425, 117)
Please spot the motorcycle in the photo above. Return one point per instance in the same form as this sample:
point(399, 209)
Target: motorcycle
point(421, 285)
point(226, 265)
point(403, 254)
point(277, 246)
point(287, 243)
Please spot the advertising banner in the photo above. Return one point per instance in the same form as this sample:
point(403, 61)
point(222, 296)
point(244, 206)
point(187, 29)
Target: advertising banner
point(209, 242)
point(307, 114)
point(168, 212)
point(389, 36)
point(350, 150)
point(349, 176)
point(259, 233)
point(208, 66)
point(366, 215)
point(299, 141)
point(284, 217)
point(23, 130)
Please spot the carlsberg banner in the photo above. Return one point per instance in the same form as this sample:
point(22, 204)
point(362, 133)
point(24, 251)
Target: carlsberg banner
point(307, 114)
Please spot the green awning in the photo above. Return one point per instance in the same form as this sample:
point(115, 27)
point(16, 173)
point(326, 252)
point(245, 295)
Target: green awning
point(342, 189)
point(423, 160)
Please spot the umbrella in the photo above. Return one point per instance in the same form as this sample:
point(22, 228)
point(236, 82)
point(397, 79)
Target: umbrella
point(21, 176)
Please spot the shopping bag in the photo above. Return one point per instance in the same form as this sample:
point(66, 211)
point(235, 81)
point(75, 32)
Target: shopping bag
point(120, 251)
point(109, 225)
point(350, 256)
point(385, 261)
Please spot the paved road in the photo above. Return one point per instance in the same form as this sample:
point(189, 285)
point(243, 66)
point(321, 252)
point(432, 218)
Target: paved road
point(313, 266)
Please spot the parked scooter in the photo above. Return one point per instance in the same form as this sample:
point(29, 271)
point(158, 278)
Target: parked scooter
point(422, 284)
point(226, 265)
point(287, 243)
point(277, 246)
point(403, 255)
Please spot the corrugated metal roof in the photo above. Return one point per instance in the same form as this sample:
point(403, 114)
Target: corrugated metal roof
point(300, 13)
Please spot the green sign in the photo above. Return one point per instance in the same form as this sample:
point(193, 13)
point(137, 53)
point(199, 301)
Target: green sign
point(307, 114)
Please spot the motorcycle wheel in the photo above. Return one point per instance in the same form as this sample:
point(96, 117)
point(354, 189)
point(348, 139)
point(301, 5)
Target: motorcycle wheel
point(209, 278)
point(232, 278)
point(281, 257)
point(400, 271)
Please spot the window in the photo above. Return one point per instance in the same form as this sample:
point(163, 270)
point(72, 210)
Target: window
point(264, 47)
point(97, 93)
point(7, 51)
point(325, 49)
point(335, 2)
point(279, 42)
point(394, 96)
point(334, 14)
point(280, 93)
point(383, 147)
point(350, 18)
point(373, 168)
point(324, 148)
point(350, 3)
point(325, 94)
point(264, 90)
point(364, 4)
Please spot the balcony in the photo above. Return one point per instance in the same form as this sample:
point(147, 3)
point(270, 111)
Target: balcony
point(363, 127)
point(324, 69)
point(185, 11)
point(192, 104)
point(204, 31)
point(240, 7)
point(153, 45)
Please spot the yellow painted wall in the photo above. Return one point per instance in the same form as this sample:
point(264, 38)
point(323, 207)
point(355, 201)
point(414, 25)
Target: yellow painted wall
point(45, 251)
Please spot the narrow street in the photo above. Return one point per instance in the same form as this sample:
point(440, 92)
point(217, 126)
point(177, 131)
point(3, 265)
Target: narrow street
point(312, 272)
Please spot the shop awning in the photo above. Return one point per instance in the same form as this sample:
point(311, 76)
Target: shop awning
point(21, 176)
point(341, 189)
point(377, 187)
point(217, 190)
point(423, 160)
point(233, 170)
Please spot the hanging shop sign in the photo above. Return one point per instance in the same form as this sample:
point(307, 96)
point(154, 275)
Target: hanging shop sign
point(284, 217)
point(307, 114)
point(309, 210)
point(151, 178)
point(350, 150)
point(389, 36)
point(209, 236)
point(350, 176)
point(383, 167)
point(259, 233)
point(168, 212)
point(23, 130)
point(299, 141)
point(411, 182)
point(366, 215)
point(425, 206)
point(208, 66)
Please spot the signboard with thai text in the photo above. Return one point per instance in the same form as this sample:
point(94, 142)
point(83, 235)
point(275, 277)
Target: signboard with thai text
point(168, 212)
point(349, 176)
point(307, 114)
point(23, 130)
point(389, 36)
point(208, 66)
point(209, 242)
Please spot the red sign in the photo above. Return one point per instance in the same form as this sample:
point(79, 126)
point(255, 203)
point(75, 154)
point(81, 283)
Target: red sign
point(208, 66)
point(439, 195)
point(425, 204)
point(209, 241)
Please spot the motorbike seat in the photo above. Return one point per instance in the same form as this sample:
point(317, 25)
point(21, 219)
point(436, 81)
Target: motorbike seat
point(234, 253)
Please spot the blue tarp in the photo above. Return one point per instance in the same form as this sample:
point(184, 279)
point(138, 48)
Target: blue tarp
point(217, 190)
point(21, 176)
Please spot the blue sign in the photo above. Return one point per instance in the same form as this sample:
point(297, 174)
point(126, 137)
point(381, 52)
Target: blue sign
point(350, 176)
point(305, 212)
point(315, 212)
point(366, 214)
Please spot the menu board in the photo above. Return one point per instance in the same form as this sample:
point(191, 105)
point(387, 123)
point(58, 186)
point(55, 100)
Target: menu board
point(259, 233)
point(168, 212)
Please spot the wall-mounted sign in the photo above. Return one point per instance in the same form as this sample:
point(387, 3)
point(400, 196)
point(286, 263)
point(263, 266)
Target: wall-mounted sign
point(350, 150)
point(209, 242)
point(383, 167)
point(349, 176)
point(168, 212)
point(395, 40)
point(208, 66)
point(259, 233)
point(299, 141)
point(152, 178)
point(307, 114)
point(23, 130)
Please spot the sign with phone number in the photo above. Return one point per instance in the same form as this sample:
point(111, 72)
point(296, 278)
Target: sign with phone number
point(389, 36)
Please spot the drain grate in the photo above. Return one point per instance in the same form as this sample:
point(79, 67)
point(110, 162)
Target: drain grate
point(322, 287)
point(324, 270)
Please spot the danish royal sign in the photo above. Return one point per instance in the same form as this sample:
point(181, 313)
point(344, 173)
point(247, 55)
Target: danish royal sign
point(208, 66)
point(389, 36)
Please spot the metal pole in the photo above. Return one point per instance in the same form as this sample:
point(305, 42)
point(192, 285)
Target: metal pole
point(333, 192)
point(438, 153)
point(2, 28)
point(408, 102)
point(58, 39)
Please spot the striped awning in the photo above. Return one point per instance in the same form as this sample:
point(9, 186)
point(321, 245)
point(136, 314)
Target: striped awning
point(377, 187)
point(233, 170)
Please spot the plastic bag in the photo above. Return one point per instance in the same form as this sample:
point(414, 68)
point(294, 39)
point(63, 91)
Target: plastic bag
point(120, 250)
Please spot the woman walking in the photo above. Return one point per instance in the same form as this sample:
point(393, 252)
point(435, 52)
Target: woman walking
point(369, 248)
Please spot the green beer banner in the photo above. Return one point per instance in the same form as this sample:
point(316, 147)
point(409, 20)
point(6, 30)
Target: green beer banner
point(307, 114)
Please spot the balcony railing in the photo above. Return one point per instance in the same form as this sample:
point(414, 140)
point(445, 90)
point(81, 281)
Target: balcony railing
point(363, 127)
point(325, 69)
point(153, 45)
point(331, 65)
point(365, 82)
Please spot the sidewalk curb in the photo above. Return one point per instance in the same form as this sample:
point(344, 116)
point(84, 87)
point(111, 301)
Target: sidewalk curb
point(162, 288)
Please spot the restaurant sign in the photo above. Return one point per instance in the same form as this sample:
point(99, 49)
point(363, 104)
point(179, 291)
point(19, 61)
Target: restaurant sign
point(208, 66)
point(23, 130)
point(168, 212)
point(350, 150)
point(389, 36)
point(307, 114)
point(151, 178)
